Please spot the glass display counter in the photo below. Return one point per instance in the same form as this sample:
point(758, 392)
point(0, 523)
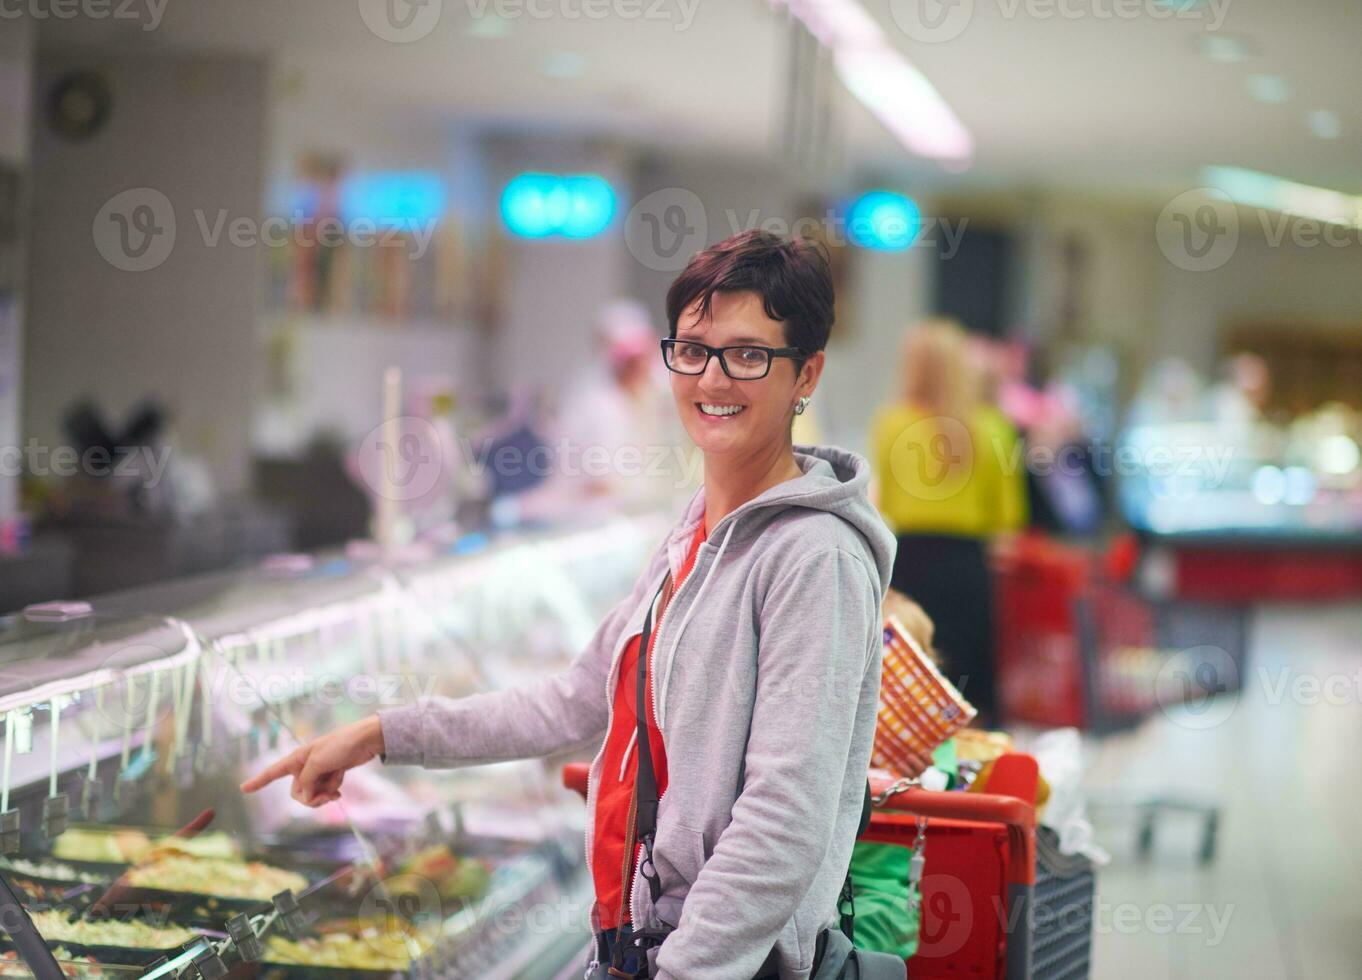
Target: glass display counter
point(128, 727)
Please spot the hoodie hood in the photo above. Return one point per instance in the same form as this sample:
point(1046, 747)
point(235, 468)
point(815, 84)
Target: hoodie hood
point(834, 480)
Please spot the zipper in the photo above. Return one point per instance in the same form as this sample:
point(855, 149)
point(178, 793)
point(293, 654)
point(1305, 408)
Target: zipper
point(592, 772)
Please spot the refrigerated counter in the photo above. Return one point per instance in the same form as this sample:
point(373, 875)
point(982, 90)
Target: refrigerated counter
point(129, 723)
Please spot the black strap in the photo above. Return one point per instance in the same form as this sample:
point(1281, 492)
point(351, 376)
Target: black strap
point(645, 784)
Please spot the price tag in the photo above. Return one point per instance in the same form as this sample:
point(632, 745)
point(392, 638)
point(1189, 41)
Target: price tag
point(23, 732)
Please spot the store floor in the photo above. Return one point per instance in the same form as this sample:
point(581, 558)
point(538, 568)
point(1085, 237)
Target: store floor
point(1283, 897)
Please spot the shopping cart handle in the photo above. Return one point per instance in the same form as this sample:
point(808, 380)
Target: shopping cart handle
point(896, 823)
point(574, 776)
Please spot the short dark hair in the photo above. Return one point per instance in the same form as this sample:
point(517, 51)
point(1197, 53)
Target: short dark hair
point(791, 275)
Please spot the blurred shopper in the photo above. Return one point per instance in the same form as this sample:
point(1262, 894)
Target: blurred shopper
point(721, 849)
point(616, 442)
point(950, 477)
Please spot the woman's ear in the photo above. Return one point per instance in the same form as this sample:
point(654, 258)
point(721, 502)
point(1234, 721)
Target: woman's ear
point(810, 373)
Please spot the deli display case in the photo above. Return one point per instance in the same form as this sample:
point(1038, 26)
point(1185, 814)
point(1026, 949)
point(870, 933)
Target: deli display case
point(128, 849)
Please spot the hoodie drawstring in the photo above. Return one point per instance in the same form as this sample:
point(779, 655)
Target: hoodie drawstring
point(628, 751)
point(661, 699)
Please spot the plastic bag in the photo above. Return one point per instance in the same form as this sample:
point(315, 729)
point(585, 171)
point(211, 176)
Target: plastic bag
point(1059, 753)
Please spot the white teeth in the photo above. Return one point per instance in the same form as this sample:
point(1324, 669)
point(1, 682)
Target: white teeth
point(720, 409)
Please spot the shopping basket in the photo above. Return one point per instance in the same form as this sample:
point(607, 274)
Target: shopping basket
point(997, 898)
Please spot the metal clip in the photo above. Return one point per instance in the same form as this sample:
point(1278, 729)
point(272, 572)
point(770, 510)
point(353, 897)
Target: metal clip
point(209, 963)
point(286, 904)
point(242, 932)
point(90, 792)
point(56, 812)
point(9, 832)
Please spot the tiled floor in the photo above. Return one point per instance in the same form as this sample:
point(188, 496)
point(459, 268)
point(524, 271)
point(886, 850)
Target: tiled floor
point(1283, 898)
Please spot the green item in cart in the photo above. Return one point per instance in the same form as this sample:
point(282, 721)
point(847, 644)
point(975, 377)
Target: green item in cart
point(943, 758)
point(884, 923)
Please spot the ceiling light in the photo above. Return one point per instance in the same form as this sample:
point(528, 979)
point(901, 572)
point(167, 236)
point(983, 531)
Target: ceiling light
point(489, 27)
point(1225, 49)
point(1324, 123)
point(883, 80)
point(563, 65)
point(1259, 190)
point(1271, 89)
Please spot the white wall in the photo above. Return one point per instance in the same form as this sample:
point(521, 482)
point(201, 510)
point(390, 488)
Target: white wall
point(184, 331)
point(1320, 285)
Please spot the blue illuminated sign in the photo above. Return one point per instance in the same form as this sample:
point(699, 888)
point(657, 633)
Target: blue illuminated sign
point(541, 205)
point(883, 220)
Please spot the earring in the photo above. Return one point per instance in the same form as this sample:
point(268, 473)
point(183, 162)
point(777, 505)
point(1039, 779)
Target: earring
point(802, 404)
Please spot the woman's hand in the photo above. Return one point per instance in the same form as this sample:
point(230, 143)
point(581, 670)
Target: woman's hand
point(319, 767)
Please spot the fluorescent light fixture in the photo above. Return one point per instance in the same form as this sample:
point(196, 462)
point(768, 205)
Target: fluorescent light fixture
point(1271, 89)
point(1259, 190)
point(1324, 123)
point(883, 80)
point(563, 65)
point(489, 27)
point(1225, 49)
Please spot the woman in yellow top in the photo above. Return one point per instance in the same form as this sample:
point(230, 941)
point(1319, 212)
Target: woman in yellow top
point(949, 475)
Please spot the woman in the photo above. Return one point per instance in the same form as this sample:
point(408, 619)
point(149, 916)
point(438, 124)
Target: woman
point(949, 477)
point(762, 671)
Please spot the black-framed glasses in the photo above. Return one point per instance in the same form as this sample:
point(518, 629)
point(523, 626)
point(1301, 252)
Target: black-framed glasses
point(743, 362)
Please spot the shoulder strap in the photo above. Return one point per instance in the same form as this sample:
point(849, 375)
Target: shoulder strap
point(645, 784)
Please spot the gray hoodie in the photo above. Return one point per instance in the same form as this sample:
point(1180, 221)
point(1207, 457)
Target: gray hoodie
point(766, 677)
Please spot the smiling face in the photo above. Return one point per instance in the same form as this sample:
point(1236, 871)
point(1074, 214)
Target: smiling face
point(743, 418)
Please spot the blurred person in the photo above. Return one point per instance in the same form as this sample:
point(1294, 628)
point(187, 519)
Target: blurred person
point(616, 437)
point(1240, 398)
point(1171, 392)
point(756, 630)
point(949, 472)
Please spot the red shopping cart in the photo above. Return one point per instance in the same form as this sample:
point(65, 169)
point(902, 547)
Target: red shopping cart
point(996, 897)
point(1078, 648)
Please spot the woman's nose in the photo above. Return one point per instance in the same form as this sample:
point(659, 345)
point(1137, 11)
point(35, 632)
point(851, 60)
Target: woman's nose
point(714, 378)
